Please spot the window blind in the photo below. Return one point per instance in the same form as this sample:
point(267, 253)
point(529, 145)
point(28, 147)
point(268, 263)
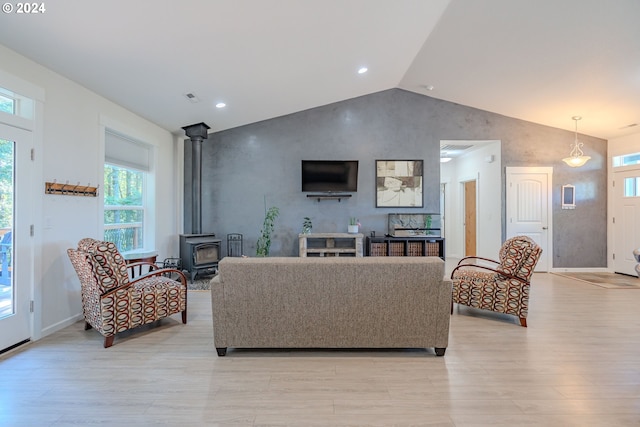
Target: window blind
point(126, 152)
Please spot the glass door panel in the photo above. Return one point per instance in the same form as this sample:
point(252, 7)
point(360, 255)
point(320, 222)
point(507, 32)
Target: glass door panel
point(7, 307)
point(15, 244)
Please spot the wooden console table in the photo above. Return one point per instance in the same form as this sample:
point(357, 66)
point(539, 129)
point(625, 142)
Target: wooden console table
point(330, 244)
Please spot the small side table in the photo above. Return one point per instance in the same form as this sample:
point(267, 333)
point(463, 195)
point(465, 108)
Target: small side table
point(133, 257)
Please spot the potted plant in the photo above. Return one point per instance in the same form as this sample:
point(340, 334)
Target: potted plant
point(264, 241)
point(306, 225)
point(427, 224)
point(354, 225)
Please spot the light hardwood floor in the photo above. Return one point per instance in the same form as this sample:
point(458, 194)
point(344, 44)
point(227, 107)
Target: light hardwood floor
point(577, 364)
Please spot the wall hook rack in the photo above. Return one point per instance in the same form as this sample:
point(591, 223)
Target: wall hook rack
point(67, 189)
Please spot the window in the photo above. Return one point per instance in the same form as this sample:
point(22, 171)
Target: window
point(8, 105)
point(124, 207)
point(16, 104)
point(126, 172)
point(626, 160)
point(632, 187)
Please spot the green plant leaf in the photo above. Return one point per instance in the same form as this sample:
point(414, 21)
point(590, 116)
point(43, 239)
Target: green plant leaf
point(264, 241)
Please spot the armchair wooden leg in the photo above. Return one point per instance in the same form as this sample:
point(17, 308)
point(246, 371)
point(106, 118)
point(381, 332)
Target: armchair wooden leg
point(523, 322)
point(184, 316)
point(108, 341)
point(451, 306)
point(87, 326)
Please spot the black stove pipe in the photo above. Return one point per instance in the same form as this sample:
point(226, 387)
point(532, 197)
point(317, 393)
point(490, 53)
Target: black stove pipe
point(197, 133)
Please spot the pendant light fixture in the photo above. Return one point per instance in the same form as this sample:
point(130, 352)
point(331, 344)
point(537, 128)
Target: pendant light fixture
point(576, 157)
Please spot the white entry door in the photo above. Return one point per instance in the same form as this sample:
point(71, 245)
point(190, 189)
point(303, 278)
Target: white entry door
point(15, 256)
point(529, 208)
point(626, 214)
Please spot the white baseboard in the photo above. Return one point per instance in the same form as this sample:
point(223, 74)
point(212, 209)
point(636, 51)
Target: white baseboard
point(60, 325)
point(580, 270)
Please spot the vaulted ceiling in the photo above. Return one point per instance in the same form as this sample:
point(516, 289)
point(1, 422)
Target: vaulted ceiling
point(542, 61)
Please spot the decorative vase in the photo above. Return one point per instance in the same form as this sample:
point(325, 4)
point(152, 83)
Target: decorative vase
point(352, 229)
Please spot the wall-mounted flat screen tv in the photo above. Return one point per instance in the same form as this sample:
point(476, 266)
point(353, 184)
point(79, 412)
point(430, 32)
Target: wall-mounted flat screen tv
point(332, 176)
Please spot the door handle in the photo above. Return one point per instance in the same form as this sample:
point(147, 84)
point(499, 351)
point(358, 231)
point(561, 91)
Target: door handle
point(544, 228)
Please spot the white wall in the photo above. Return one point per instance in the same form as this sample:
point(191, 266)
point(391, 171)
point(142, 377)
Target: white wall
point(470, 166)
point(628, 144)
point(72, 149)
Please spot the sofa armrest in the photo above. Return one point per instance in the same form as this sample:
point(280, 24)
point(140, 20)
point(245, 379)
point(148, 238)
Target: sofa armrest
point(483, 267)
point(218, 312)
point(443, 316)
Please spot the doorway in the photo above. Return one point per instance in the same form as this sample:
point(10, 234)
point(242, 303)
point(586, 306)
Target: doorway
point(462, 162)
point(443, 209)
point(15, 246)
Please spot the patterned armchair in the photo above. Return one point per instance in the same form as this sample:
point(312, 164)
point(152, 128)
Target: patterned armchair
point(112, 302)
point(502, 287)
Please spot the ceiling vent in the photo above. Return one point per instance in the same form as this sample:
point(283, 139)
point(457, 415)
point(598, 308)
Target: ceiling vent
point(451, 147)
point(629, 126)
point(192, 98)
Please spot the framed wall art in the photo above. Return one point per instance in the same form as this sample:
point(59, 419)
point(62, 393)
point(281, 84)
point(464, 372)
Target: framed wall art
point(399, 183)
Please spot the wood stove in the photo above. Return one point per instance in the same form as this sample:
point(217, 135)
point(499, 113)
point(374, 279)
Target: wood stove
point(199, 253)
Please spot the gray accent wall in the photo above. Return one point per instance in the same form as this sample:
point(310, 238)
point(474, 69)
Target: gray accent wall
point(251, 167)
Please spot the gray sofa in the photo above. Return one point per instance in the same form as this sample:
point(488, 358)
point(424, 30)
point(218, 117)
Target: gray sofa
point(370, 302)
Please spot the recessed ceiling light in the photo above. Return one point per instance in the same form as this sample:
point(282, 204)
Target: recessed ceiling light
point(362, 70)
point(221, 105)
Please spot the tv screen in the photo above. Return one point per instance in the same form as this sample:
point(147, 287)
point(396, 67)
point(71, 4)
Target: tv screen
point(330, 175)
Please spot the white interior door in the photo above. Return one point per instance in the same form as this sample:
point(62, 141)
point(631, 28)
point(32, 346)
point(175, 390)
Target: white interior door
point(15, 278)
point(528, 208)
point(626, 231)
